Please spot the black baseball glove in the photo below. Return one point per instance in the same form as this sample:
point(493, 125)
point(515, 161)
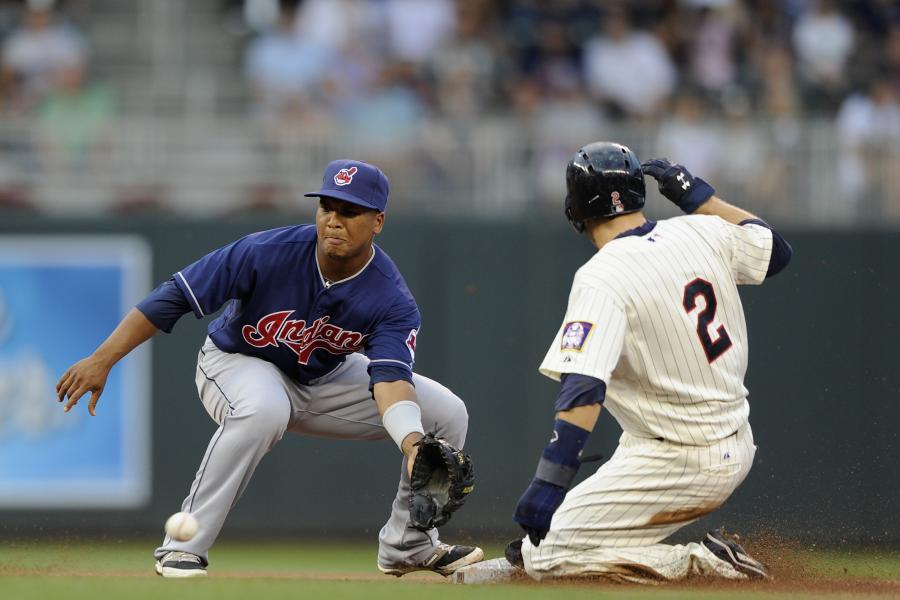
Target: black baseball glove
point(677, 184)
point(442, 478)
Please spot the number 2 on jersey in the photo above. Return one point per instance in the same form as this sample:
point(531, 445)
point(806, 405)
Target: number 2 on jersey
point(713, 348)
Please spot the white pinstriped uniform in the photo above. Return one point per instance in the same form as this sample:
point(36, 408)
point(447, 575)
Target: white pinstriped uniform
point(640, 317)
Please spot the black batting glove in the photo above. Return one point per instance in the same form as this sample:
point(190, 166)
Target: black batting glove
point(677, 184)
point(536, 507)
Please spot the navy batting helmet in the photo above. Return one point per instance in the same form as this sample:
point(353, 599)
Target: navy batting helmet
point(603, 179)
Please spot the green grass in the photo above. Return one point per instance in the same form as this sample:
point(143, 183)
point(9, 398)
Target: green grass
point(107, 570)
point(261, 589)
point(870, 564)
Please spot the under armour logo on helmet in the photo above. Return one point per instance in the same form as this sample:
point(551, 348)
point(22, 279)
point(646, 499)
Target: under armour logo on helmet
point(685, 184)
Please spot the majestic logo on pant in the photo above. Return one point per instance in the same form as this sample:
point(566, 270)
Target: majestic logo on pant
point(275, 329)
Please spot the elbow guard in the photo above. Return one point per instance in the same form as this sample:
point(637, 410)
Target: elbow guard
point(781, 254)
point(781, 250)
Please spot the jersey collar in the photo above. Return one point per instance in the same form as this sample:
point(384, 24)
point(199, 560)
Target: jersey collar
point(644, 229)
point(327, 284)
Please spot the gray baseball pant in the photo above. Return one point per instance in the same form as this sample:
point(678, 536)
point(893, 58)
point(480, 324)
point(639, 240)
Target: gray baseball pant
point(254, 403)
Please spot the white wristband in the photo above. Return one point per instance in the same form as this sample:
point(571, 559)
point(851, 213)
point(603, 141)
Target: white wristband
point(401, 419)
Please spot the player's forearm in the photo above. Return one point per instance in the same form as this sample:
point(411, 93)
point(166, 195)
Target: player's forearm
point(134, 330)
point(581, 416)
point(388, 393)
point(400, 413)
point(719, 208)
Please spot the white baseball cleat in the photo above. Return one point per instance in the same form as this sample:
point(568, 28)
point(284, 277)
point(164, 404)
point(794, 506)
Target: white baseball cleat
point(180, 564)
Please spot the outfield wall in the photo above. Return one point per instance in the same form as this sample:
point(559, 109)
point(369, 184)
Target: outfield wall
point(823, 379)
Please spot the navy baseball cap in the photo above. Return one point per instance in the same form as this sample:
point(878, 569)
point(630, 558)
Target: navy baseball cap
point(356, 182)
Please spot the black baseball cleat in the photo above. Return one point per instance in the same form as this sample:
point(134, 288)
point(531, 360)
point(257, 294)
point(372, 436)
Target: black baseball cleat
point(181, 564)
point(732, 553)
point(513, 554)
point(445, 560)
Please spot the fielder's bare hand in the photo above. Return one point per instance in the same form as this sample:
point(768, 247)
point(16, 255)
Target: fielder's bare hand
point(87, 375)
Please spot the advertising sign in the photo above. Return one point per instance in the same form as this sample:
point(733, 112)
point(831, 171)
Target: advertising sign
point(60, 297)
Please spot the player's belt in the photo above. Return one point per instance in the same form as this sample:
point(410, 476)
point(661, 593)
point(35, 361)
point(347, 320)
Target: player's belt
point(736, 431)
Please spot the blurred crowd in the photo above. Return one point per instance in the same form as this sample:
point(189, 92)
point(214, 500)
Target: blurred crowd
point(627, 60)
point(702, 72)
point(727, 87)
point(45, 86)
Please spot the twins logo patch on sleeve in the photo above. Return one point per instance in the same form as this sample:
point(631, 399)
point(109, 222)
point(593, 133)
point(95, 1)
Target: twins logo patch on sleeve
point(575, 335)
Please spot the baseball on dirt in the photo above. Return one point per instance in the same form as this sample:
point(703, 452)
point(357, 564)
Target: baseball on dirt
point(182, 526)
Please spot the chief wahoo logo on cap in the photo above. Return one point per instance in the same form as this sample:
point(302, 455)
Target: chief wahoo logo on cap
point(345, 176)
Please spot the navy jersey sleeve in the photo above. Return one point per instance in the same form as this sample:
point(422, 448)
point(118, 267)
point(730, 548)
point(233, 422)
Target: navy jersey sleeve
point(392, 347)
point(221, 275)
point(579, 390)
point(164, 306)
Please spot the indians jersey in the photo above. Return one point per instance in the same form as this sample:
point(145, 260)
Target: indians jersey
point(657, 316)
point(281, 309)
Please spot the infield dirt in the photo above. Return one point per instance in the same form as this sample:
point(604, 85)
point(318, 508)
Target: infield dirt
point(86, 569)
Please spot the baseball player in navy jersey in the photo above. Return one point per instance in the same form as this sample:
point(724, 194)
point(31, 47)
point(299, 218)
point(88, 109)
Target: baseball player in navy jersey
point(302, 303)
point(655, 332)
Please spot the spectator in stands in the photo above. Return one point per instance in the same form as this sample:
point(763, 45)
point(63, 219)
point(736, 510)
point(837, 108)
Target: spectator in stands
point(415, 28)
point(823, 41)
point(75, 119)
point(462, 85)
point(388, 124)
point(564, 120)
point(337, 23)
point(687, 133)
point(868, 127)
point(778, 121)
point(391, 115)
point(289, 74)
point(748, 163)
point(464, 68)
point(532, 27)
point(712, 48)
point(628, 71)
point(556, 59)
point(352, 30)
point(35, 52)
point(891, 68)
point(777, 91)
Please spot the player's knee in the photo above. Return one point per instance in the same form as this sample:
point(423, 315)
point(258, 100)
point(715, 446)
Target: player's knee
point(457, 421)
point(537, 559)
point(270, 418)
point(444, 413)
point(529, 556)
point(462, 414)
